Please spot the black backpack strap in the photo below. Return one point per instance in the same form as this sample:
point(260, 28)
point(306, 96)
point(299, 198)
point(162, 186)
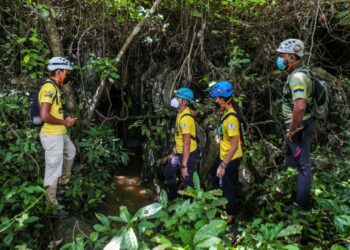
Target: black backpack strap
point(227, 115)
point(56, 87)
point(193, 138)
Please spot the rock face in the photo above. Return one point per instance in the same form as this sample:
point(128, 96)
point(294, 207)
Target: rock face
point(69, 100)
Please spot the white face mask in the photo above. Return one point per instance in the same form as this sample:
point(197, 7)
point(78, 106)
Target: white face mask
point(174, 103)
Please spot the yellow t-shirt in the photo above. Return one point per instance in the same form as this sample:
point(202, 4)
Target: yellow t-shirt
point(185, 125)
point(230, 128)
point(51, 94)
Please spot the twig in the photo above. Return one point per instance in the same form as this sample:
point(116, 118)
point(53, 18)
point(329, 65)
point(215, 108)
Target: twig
point(313, 32)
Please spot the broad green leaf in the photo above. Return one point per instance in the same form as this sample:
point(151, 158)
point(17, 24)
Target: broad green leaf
point(26, 59)
point(147, 211)
point(342, 221)
point(100, 228)
point(22, 219)
point(182, 209)
point(290, 230)
point(21, 40)
point(44, 13)
point(163, 198)
point(8, 238)
point(104, 219)
point(338, 247)
point(124, 214)
point(114, 244)
point(165, 243)
point(214, 228)
point(196, 181)
point(196, 13)
point(186, 235)
point(93, 236)
point(212, 241)
point(130, 239)
point(291, 247)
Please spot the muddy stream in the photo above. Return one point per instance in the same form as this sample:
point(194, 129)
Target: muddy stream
point(127, 190)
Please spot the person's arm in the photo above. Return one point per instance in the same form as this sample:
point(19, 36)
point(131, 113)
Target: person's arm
point(300, 106)
point(233, 149)
point(45, 116)
point(234, 146)
point(185, 153)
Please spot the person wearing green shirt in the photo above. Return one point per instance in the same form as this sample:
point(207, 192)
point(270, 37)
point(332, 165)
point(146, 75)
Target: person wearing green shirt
point(299, 123)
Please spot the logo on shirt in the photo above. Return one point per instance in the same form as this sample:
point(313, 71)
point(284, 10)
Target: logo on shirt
point(231, 126)
point(184, 126)
point(48, 93)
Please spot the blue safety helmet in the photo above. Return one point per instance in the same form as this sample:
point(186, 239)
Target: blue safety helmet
point(222, 89)
point(185, 93)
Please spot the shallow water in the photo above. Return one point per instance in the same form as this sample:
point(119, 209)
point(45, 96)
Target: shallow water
point(127, 190)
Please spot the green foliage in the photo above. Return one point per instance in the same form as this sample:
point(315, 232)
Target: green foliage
point(325, 225)
point(101, 154)
point(22, 207)
point(105, 67)
point(155, 135)
point(190, 223)
point(238, 57)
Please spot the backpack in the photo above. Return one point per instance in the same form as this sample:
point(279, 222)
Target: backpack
point(34, 107)
point(320, 95)
point(242, 125)
point(201, 137)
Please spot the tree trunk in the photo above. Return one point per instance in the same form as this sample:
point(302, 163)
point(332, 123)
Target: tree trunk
point(52, 34)
point(54, 40)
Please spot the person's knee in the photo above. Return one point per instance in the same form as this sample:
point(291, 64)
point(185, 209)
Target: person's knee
point(53, 159)
point(70, 153)
point(305, 169)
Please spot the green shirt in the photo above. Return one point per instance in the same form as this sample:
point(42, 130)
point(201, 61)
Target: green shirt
point(298, 86)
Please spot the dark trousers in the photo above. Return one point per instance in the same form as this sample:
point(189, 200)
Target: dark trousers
point(297, 154)
point(174, 166)
point(228, 183)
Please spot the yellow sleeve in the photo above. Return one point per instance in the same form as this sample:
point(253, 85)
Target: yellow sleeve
point(47, 93)
point(232, 126)
point(187, 125)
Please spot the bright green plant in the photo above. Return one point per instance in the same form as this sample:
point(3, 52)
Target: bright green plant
point(105, 67)
point(258, 235)
point(101, 154)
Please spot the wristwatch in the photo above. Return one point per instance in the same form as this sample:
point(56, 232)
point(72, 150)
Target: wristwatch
point(223, 165)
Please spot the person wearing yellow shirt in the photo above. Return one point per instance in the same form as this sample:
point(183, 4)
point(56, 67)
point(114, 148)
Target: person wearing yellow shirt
point(59, 149)
point(225, 170)
point(186, 154)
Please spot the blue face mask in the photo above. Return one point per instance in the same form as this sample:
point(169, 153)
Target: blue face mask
point(280, 64)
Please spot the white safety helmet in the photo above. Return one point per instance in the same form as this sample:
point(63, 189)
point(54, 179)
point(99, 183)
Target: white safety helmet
point(292, 46)
point(58, 62)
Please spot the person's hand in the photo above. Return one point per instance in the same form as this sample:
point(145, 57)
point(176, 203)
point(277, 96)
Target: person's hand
point(290, 134)
point(184, 172)
point(70, 121)
point(221, 170)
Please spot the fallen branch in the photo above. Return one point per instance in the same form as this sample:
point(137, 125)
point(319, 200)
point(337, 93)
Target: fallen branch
point(101, 88)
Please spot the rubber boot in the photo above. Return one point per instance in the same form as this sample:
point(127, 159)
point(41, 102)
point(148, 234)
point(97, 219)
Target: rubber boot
point(66, 172)
point(51, 195)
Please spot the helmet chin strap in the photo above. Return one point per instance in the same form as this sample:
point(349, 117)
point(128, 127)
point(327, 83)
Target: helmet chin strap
point(223, 103)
